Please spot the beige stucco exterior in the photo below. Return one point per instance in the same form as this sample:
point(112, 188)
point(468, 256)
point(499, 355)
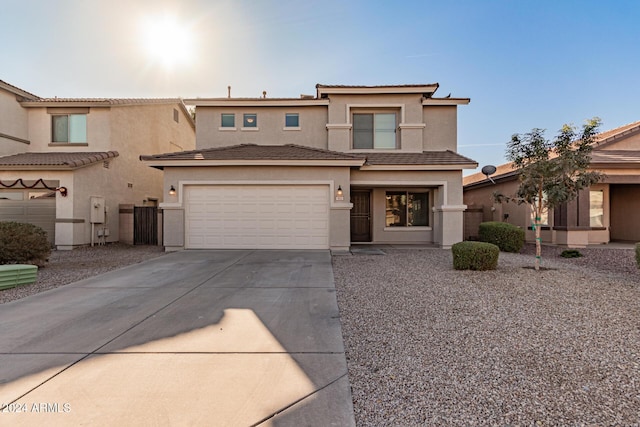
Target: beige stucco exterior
point(620, 190)
point(14, 128)
point(128, 127)
point(326, 124)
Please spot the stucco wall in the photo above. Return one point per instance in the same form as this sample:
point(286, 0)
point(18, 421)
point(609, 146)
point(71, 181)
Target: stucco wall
point(631, 142)
point(408, 108)
point(271, 126)
point(179, 176)
point(98, 130)
point(441, 131)
point(13, 124)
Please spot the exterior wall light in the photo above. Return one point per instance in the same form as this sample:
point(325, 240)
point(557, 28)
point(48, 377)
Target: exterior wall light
point(339, 193)
point(172, 191)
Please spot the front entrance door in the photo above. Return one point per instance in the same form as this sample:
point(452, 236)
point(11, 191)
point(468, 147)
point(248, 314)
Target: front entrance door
point(361, 216)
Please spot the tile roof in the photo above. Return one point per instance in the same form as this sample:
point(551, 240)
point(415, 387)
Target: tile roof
point(256, 152)
point(17, 91)
point(597, 155)
point(616, 157)
point(106, 101)
point(619, 132)
point(252, 152)
point(447, 157)
point(55, 160)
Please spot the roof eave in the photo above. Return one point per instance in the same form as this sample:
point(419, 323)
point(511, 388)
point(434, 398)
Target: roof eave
point(231, 102)
point(439, 167)
point(445, 101)
point(161, 164)
point(375, 90)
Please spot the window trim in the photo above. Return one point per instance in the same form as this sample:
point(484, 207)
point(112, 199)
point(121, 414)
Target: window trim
point(244, 122)
point(227, 128)
point(374, 112)
point(408, 227)
point(289, 128)
point(84, 143)
point(602, 215)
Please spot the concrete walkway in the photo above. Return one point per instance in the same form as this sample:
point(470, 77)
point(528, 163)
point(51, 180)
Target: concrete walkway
point(235, 338)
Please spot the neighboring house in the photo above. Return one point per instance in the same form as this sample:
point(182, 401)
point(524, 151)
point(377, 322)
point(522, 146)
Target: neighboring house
point(603, 213)
point(352, 164)
point(81, 158)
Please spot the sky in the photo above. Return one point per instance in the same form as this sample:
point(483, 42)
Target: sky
point(524, 63)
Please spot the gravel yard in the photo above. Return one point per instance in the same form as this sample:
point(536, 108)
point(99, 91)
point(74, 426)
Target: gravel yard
point(65, 267)
point(428, 345)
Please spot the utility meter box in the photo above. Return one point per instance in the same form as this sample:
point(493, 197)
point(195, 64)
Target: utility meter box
point(97, 210)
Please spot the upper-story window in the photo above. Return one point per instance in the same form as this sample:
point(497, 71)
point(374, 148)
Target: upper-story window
point(228, 120)
point(250, 121)
point(69, 128)
point(291, 120)
point(374, 131)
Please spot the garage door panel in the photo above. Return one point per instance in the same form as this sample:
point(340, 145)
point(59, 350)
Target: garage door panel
point(261, 217)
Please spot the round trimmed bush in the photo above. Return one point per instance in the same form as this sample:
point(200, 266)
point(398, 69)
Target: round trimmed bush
point(23, 243)
point(505, 236)
point(475, 256)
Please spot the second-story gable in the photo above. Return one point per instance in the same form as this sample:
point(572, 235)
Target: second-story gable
point(403, 118)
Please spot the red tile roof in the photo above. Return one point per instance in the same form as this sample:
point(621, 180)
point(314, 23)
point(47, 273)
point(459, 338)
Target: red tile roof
point(447, 157)
point(255, 152)
point(251, 152)
point(597, 155)
point(55, 160)
point(631, 157)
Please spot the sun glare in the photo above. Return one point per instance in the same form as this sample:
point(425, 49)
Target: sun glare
point(167, 41)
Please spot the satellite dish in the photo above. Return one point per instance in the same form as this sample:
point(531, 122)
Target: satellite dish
point(489, 170)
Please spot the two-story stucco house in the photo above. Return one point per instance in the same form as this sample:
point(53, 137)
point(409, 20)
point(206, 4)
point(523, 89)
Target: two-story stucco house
point(352, 164)
point(70, 165)
point(605, 212)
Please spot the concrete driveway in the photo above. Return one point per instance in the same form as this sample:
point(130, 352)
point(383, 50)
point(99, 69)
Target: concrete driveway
point(234, 338)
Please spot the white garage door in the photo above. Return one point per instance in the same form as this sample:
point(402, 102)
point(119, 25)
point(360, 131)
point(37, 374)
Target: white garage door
point(257, 217)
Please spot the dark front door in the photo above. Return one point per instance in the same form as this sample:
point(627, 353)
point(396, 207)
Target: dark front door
point(361, 216)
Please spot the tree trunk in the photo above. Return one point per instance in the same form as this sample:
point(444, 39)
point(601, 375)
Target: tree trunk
point(538, 243)
point(538, 219)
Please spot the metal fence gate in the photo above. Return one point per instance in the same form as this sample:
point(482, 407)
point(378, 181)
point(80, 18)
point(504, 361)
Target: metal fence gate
point(145, 225)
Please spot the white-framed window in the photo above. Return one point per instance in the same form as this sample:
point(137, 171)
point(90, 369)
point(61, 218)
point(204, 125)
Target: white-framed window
point(227, 120)
point(69, 128)
point(292, 120)
point(407, 209)
point(374, 130)
point(596, 208)
point(250, 121)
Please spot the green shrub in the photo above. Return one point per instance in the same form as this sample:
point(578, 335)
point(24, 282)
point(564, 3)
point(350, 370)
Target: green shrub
point(475, 256)
point(507, 237)
point(638, 254)
point(571, 253)
point(23, 243)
